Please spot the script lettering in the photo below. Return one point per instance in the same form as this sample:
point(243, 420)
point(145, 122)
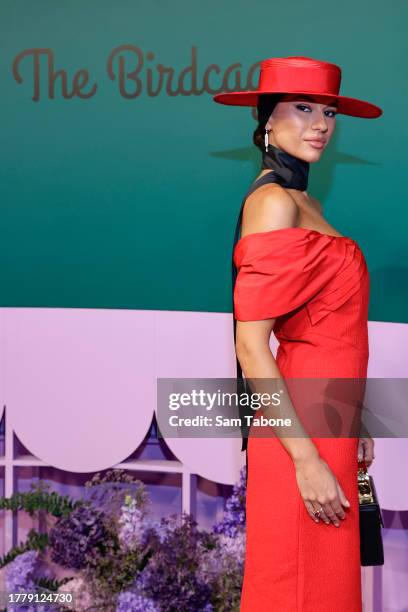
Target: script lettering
point(79, 81)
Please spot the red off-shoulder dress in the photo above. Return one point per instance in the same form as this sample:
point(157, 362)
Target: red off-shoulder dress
point(317, 288)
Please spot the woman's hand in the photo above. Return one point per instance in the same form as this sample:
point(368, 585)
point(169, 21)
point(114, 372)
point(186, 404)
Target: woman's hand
point(320, 488)
point(366, 450)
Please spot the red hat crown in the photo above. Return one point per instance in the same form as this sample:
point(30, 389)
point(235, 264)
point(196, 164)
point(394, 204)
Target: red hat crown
point(299, 74)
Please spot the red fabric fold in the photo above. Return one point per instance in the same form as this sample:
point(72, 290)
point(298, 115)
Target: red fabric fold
point(282, 270)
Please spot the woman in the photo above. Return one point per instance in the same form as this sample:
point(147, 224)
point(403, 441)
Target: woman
point(300, 278)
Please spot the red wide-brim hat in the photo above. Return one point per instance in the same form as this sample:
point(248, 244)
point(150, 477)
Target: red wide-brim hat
point(301, 75)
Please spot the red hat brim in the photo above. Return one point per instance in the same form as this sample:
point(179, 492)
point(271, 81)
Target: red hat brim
point(346, 105)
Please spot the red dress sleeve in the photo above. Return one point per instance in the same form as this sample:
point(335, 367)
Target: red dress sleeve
point(281, 270)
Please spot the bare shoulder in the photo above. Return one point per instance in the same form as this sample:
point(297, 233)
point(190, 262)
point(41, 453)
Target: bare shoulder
point(269, 207)
point(316, 204)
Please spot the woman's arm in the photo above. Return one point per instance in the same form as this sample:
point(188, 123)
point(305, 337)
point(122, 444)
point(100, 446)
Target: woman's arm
point(317, 484)
point(274, 208)
point(269, 208)
point(257, 361)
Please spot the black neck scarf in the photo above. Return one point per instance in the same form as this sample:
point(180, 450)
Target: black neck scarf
point(291, 171)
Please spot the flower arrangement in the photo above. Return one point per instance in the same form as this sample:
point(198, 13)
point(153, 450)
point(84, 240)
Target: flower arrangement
point(109, 551)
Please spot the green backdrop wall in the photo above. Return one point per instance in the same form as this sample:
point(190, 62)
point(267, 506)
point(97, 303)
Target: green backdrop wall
point(126, 194)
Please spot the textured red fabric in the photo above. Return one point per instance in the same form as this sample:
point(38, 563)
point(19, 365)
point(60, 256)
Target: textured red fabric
point(317, 288)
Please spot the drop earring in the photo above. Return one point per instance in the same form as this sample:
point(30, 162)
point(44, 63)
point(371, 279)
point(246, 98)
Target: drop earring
point(266, 139)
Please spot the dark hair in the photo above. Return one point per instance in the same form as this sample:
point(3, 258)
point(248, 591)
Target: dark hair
point(265, 106)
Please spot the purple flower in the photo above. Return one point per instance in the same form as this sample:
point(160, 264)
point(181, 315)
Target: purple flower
point(171, 576)
point(20, 577)
point(73, 536)
point(130, 601)
point(137, 563)
point(164, 526)
point(19, 573)
point(132, 524)
point(226, 559)
point(234, 518)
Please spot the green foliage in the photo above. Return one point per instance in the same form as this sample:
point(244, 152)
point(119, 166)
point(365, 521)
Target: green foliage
point(52, 585)
point(35, 541)
point(227, 591)
point(110, 569)
point(39, 499)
